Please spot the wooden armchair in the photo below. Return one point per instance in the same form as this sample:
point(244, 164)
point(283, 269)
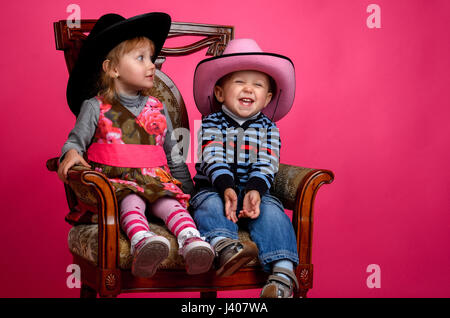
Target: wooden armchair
point(101, 249)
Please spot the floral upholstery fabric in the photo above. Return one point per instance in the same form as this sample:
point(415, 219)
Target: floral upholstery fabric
point(286, 183)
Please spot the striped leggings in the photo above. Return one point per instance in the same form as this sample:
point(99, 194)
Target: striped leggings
point(135, 224)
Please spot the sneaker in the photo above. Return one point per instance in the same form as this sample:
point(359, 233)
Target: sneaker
point(198, 255)
point(278, 286)
point(149, 255)
point(231, 255)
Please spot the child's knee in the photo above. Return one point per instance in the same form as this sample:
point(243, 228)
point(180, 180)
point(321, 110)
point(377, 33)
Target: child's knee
point(273, 210)
point(132, 201)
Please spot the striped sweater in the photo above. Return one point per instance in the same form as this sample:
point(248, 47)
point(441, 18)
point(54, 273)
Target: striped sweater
point(231, 155)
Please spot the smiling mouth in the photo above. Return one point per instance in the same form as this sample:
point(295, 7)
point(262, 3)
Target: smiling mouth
point(246, 101)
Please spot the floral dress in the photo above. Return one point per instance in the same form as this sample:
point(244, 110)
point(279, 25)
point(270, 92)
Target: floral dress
point(124, 139)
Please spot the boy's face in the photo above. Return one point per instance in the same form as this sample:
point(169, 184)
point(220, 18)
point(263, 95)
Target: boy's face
point(245, 93)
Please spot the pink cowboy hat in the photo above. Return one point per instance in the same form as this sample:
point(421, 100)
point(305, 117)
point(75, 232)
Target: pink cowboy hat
point(240, 55)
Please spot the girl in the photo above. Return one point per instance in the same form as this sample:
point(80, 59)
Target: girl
point(122, 130)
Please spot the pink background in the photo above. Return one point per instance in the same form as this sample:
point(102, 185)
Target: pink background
point(372, 105)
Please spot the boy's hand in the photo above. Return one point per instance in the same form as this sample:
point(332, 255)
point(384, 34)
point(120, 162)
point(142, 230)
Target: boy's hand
point(230, 198)
point(250, 206)
point(71, 158)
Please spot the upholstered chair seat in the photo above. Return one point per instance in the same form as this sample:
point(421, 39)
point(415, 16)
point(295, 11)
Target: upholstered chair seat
point(83, 241)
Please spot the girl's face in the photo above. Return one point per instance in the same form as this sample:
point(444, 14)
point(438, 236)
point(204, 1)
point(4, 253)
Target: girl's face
point(135, 71)
point(245, 93)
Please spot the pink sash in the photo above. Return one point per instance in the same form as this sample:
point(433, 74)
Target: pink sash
point(127, 155)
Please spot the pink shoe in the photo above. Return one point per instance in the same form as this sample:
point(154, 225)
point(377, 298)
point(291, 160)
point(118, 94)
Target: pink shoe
point(197, 254)
point(149, 255)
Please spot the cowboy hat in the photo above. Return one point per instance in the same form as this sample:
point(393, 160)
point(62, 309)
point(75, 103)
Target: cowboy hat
point(109, 31)
point(240, 55)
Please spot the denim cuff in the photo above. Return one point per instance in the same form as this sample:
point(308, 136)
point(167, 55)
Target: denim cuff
point(220, 232)
point(268, 258)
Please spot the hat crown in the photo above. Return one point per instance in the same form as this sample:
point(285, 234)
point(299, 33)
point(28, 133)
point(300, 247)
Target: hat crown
point(242, 46)
point(104, 22)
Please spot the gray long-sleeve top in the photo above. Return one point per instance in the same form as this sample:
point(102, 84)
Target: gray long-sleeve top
point(81, 135)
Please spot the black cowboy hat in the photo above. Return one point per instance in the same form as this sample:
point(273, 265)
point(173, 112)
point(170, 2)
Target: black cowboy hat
point(109, 31)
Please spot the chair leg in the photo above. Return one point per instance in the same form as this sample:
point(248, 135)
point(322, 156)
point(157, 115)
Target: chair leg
point(301, 293)
point(87, 292)
point(304, 273)
point(210, 294)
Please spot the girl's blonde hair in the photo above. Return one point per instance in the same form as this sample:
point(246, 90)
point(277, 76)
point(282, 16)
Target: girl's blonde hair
point(106, 82)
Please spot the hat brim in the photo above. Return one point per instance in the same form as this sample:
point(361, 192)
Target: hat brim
point(279, 67)
point(83, 79)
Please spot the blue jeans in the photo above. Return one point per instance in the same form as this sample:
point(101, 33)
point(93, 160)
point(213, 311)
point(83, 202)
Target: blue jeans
point(272, 231)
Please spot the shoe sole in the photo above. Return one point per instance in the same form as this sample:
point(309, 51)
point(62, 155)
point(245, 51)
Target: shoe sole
point(199, 260)
point(246, 255)
point(272, 292)
point(149, 257)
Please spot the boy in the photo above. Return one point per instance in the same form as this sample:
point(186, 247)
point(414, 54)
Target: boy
point(239, 157)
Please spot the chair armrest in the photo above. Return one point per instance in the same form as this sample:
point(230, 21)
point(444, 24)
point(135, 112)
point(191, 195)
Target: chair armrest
point(291, 181)
point(91, 189)
point(80, 196)
point(52, 164)
point(296, 187)
point(287, 182)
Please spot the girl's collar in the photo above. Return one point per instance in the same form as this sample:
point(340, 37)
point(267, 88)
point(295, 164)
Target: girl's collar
point(131, 101)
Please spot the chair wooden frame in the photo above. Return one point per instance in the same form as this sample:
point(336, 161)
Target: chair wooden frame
point(295, 186)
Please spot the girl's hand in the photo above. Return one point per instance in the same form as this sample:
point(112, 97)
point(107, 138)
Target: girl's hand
point(250, 206)
point(230, 198)
point(71, 158)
